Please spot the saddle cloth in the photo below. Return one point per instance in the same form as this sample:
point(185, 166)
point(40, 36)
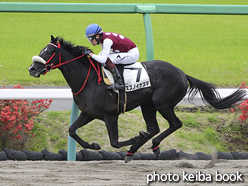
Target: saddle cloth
point(135, 77)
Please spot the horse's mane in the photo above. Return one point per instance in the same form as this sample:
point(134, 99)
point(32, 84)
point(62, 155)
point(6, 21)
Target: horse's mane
point(76, 50)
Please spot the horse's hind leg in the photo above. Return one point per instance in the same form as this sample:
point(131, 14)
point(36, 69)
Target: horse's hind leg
point(149, 113)
point(174, 124)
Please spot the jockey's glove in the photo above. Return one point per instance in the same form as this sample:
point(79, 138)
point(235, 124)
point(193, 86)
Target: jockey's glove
point(87, 51)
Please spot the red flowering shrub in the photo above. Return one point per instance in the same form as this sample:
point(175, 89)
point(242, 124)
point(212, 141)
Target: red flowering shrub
point(242, 107)
point(17, 121)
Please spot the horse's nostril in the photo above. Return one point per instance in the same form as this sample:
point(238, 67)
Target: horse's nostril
point(32, 69)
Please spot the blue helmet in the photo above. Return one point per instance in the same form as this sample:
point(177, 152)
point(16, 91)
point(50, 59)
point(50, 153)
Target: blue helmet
point(92, 30)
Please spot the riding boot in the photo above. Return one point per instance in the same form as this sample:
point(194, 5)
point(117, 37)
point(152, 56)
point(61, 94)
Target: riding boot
point(118, 82)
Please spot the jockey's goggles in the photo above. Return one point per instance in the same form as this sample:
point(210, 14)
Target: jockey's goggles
point(90, 38)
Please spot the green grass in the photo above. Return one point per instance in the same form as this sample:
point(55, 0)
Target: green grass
point(201, 132)
point(208, 47)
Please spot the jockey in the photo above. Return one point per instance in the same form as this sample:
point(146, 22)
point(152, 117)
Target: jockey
point(116, 49)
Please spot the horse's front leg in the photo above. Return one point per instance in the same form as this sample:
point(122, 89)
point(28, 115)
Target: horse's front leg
point(81, 121)
point(112, 127)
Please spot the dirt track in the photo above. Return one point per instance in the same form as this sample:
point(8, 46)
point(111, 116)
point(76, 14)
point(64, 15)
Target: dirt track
point(116, 172)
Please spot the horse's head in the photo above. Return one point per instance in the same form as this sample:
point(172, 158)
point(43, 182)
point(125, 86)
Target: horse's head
point(46, 59)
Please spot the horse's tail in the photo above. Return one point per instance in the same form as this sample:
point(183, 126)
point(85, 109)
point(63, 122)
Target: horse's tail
point(210, 95)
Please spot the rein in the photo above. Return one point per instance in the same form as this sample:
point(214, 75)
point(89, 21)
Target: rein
point(52, 66)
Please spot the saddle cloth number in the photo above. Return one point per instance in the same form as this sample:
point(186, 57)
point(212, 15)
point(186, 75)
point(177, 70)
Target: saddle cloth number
point(135, 77)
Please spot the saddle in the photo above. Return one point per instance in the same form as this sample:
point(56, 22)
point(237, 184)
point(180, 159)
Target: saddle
point(135, 77)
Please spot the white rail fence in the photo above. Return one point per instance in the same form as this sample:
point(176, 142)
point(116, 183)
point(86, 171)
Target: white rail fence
point(60, 94)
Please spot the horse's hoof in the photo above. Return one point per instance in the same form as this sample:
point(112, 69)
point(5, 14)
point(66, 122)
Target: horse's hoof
point(128, 158)
point(157, 152)
point(96, 146)
point(144, 134)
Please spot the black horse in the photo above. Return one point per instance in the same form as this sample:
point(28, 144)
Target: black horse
point(168, 87)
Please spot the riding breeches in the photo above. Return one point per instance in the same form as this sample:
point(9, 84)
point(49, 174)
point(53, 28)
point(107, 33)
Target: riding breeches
point(125, 58)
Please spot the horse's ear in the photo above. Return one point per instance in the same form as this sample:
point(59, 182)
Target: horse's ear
point(53, 40)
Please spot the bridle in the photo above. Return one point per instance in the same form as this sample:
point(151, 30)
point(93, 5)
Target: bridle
point(57, 54)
